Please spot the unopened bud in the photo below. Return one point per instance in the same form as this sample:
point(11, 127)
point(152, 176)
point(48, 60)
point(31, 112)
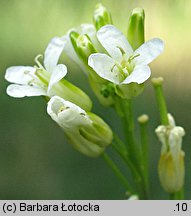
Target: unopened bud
point(87, 132)
point(82, 45)
point(135, 33)
point(101, 16)
point(171, 164)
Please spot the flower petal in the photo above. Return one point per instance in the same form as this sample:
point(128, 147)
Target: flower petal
point(113, 40)
point(149, 51)
point(139, 75)
point(19, 91)
point(68, 115)
point(90, 30)
point(58, 73)
point(20, 74)
point(102, 64)
point(53, 52)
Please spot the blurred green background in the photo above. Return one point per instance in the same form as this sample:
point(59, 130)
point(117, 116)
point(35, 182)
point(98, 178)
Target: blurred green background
point(36, 162)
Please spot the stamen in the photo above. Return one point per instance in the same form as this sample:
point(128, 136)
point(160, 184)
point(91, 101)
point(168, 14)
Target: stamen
point(62, 108)
point(121, 50)
point(133, 56)
point(33, 78)
point(113, 67)
point(37, 61)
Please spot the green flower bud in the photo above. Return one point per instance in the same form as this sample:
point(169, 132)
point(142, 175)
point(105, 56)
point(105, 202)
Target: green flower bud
point(87, 132)
point(70, 92)
point(171, 163)
point(129, 91)
point(82, 45)
point(135, 33)
point(101, 16)
point(171, 172)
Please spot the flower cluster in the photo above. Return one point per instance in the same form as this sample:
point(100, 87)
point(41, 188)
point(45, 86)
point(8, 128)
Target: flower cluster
point(117, 66)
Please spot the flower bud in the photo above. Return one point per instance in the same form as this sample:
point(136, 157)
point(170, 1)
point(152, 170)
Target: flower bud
point(101, 16)
point(82, 45)
point(171, 163)
point(135, 33)
point(171, 172)
point(70, 92)
point(87, 132)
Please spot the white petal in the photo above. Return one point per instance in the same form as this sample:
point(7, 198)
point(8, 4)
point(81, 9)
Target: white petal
point(171, 120)
point(175, 140)
point(20, 74)
point(53, 52)
point(149, 51)
point(139, 75)
point(112, 39)
point(19, 91)
point(102, 64)
point(58, 73)
point(90, 30)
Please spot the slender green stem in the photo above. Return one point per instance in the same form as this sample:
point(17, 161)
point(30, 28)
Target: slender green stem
point(157, 83)
point(118, 146)
point(143, 122)
point(181, 194)
point(178, 195)
point(172, 196)
point(118, 173)
point(135, 174)
point(124, 110)
point(128, 126)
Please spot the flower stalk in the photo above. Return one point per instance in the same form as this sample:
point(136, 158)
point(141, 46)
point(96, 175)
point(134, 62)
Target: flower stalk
point(157, 83)
point(143, 124)
point(118, 173)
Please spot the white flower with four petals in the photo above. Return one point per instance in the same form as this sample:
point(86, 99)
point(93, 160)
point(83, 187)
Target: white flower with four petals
point(37, 80)
point(122, 65)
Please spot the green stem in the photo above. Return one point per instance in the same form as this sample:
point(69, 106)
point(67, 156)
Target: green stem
point(157, 83)
point(124, 110)
point(133, 170)
point(143, 122)
point(118, 146)
point(172, 196)
point(178, 195)
point(128, 126)
point(118, 173)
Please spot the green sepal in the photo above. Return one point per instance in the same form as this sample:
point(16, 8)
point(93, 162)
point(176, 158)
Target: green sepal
point(82, 45)
point(129, 91)
point(70, 92)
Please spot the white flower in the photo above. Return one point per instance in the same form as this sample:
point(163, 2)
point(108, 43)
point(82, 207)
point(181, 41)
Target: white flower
point(171, 137)
point(122, 65)
point(67, 115)
point(37, 80)
point(88, 133)
point(171, 164)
